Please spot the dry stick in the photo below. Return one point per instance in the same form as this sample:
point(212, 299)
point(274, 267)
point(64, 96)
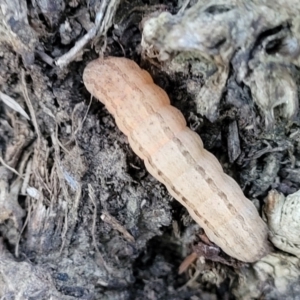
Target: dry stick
point(191, 280)
point(45, 57)
point(183, 6)
point(103, 21)
point(26, 179)
point(187, 262)
point(114, 223)
point(29, 105)
point(8, 167)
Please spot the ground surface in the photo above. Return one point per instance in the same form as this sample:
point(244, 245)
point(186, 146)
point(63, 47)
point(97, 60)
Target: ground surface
point(80, 216)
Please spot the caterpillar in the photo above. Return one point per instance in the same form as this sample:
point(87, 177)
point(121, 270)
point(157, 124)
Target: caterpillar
point(174, 155)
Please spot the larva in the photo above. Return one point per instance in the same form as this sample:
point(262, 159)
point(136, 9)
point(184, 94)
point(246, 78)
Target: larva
point(174, 155)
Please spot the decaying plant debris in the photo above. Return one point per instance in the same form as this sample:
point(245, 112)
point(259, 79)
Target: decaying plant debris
point(257, 44)
point(80, 218)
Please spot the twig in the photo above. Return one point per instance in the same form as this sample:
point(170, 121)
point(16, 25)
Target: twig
point(9, 101)
point(30, 107)
point(87, 111)
point(45, 57)
point(9, 168)
point(191, 280)
point(183, 6)
point(107, 218)
point(103, 21)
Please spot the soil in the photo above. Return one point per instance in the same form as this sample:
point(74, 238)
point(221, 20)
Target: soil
point(80, 217)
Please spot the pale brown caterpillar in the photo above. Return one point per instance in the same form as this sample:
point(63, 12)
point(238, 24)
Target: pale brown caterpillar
point(174, 154)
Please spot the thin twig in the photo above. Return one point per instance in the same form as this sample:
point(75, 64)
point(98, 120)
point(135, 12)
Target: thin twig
point(29, 105)
point(45, 57)
point(103, 21)
point(183, 6)
point(9, 168)
point(87, 111)
point(191, 280)
point(107, 218)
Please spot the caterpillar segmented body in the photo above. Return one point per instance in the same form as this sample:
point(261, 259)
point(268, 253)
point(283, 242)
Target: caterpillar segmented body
point(174, 155)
